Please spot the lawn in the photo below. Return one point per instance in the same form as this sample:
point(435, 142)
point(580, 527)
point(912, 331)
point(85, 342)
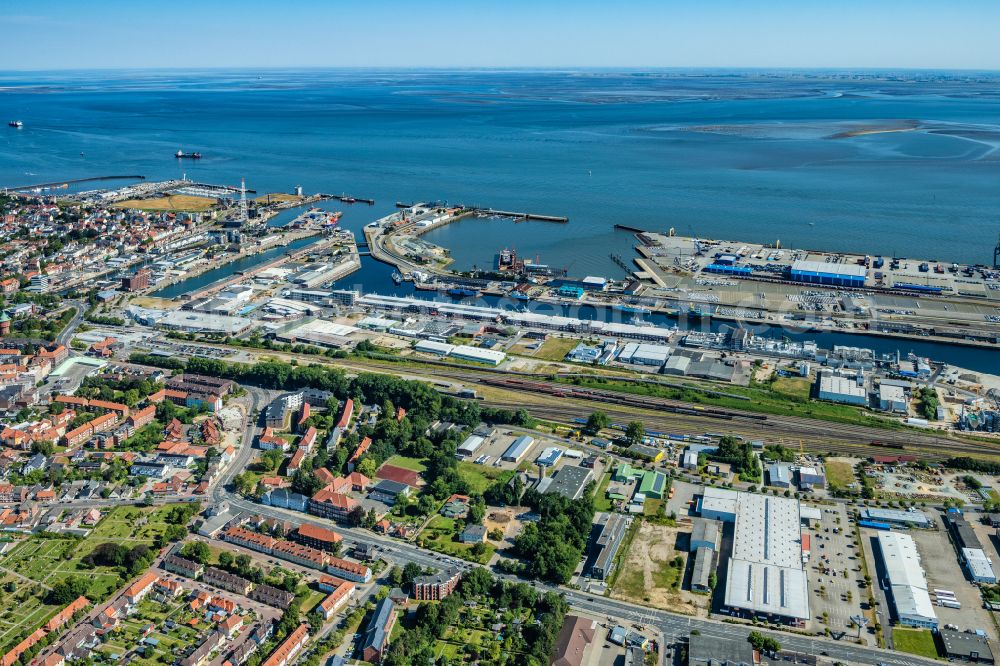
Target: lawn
point(839, 474)
point(793, 387)
point(555, 349)
point(601, 501)
point(478, 477)
point(182, 202)
point(915, 641)
point(440, 535)
point(406, 462)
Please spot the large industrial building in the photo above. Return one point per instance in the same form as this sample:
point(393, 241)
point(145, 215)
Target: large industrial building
point(911, 517)
point(765, 577)
point(847, 390)
point(905, 580)
point(825, 273)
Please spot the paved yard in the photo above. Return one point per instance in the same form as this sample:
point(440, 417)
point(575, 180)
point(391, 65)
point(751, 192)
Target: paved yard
point(940, 562)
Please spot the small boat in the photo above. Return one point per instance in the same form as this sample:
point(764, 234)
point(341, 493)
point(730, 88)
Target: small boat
point(633, 309)
point(16, 123)
point(397, 278)
point(181, 155)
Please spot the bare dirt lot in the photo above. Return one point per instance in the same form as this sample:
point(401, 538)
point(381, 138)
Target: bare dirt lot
point(649, 577)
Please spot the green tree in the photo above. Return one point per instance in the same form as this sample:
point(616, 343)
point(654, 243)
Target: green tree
point(367, 466)
point(271, 459)
point(197, 551)
point(634, 433)
point(596, 422)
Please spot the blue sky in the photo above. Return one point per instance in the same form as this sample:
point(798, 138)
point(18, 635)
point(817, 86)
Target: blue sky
point(72, 34)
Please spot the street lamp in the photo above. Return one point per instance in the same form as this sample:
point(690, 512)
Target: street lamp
point(861, 621)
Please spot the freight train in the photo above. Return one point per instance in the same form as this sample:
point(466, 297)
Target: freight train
point(613, 397)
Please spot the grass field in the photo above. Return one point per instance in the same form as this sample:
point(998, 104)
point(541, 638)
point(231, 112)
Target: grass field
point(406, 462)
point(181, 202)
point(915, 641)
point(555, 349)
point(276, 197)
point(783, 399)
point(478, 477)
point(839, 474)
point(440, 535)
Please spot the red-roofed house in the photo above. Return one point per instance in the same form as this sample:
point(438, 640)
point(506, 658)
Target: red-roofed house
point(328, 503)
point(317, 537)
point(358, 452)
point(140, 588)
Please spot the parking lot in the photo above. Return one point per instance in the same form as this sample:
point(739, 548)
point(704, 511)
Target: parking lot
point(835, 574)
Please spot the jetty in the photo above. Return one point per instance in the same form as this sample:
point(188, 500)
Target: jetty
point(521, 216)
point(74, 181)
point(345, 198)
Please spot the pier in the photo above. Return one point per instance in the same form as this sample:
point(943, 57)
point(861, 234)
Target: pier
point(522, 216)
point(74, 181)
point(625, 227)
point(348, 199)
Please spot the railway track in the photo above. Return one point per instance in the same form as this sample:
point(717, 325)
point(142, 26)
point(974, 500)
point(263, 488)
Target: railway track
point(666, 414)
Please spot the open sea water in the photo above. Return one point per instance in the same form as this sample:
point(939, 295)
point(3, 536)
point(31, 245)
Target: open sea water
point(882, 164)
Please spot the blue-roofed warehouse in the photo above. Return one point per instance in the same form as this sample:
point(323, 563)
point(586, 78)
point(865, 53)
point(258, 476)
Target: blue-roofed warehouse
point(728, 269)
point(837, 275)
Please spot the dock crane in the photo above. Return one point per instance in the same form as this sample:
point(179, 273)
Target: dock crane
point(996, 254)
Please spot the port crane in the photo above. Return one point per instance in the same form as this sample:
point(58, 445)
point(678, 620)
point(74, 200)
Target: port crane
point(996, 254)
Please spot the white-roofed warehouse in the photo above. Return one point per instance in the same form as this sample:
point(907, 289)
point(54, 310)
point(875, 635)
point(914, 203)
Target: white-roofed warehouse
point(905, 579)
point(765, 575)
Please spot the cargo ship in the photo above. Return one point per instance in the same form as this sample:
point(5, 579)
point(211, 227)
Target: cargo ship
point(16, 123)
point(181, 155)
point(507, 261)
point(633, 309)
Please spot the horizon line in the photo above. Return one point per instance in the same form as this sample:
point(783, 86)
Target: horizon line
point(523, 68)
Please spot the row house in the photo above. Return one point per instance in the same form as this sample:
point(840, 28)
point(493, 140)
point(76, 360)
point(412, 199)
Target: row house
point(272, 596)
point(285, 653)
point(352, 571)
point(226, 581)
point(142, 417)
point(140, 588)
point(336, 600)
